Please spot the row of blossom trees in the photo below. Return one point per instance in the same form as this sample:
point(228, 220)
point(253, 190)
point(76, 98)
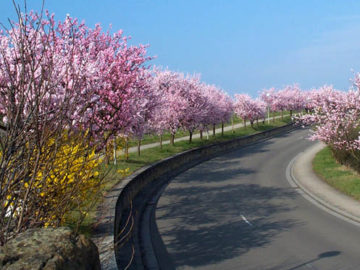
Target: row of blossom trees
point(184, 102)
point(188, 104)
point(290, 98)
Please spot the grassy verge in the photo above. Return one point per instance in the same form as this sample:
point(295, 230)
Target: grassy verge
point(149, 156)
point(151, 138)
point(154, 154)
point(336, 175)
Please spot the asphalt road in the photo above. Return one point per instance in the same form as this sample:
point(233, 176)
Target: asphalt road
point(238, 211)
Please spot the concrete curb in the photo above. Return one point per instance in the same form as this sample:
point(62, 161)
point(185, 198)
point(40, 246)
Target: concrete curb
point(118, 235)
point(301, 175)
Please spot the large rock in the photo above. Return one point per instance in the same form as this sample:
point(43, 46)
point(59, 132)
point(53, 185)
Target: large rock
point(49, 249)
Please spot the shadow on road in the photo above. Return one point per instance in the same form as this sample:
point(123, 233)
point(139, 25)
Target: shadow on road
point(224, 168)
point(307, 264)
point(319, 257)
point(214, 230)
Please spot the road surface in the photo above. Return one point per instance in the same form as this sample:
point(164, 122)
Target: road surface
point(238, 211)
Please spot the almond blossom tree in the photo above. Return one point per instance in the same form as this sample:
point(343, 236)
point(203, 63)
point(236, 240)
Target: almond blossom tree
point(145, 104)
point(59, 81)
point(213, 111)
point(291, 99)
point(116, 86)
point(168, 115)
point(195, 110)
point(248, 109)
point(226, 108)
point(270, 97)
point(335, 116)
point(260, 110)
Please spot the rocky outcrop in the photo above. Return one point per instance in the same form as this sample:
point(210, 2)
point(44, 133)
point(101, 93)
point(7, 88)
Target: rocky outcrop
point(49, 249)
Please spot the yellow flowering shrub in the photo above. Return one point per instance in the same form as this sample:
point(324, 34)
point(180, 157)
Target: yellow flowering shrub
point(63, 175)
point(72, 179)
point(54, 184)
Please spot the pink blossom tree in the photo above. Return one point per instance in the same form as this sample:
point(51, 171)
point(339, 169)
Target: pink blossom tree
point(144, 104)
point(217, 108)
point(117, 84)
point(248, 109)
point(196, 103)
point(58, 81)
point(291, 98)
point(167, 116)
point(260, 110)
point(335, 116)
point(270, 97)
point(212, 115)
point(226, 108)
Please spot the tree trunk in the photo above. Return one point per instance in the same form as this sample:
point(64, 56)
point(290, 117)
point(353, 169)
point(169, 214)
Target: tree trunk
point(190, 136)
point(138, 148)
point(160, 141)
point(172, 139)
point(222, 128)
point(252, 123)
point(291, 111)
point(107, 158)
point(257, 122)
point(282, 115)
point(232, 124)
point(201, 134)
point(273, 116)
point(214, 127)
point(244, 121)
point(126, 148)
point(115, 150)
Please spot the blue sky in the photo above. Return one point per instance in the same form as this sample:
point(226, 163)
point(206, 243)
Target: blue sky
point(241, 46)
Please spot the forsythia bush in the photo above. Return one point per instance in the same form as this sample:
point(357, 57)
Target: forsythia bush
point(72, 179)
point(64, 176)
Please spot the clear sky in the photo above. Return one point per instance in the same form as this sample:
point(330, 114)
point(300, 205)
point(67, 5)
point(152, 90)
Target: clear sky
point(241, 46)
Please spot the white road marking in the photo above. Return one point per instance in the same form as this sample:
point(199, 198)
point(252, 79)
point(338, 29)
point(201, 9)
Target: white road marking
point(244, 218)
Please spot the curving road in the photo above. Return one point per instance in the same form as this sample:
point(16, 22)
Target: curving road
point(238, 211)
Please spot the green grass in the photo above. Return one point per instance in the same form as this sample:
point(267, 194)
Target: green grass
point(150, 138)
point(336, 175)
